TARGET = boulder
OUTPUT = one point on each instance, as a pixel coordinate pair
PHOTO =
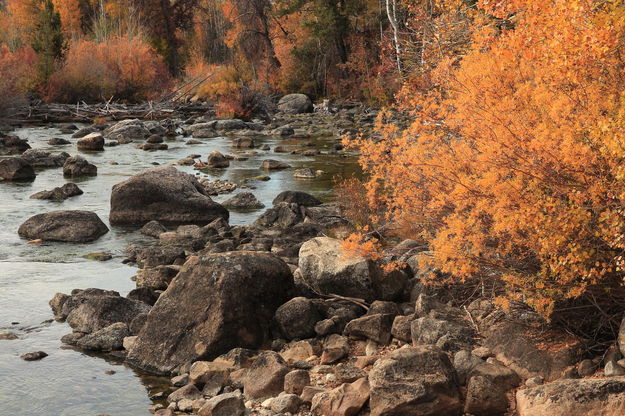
(335, 348)
(450, 333)
(109, 338)
(581, 397)
(228, 404)
(230, 124)
(42, 159)
(93, 141)
(271, 164)
(295, 381)
(345, 400)
(16, 169)
(153, 229)
(157, 278)
(297, 318)
(127, 131)
(401, 328)
(295, 104)
(163, 194)
(305, 173)
(265, 378)
(296, 197)
(286, 403)
(375, 327)
(414, 381)
(485, 398)
(217, 160)
(518, 345)
(243, 143)
(59, 193)
(57, 141)
(217, 302)
(327, 269)
(243, 200)
(12, 145)
(66, 226)
(77, 166)
(88, 313)
(283, 215)
(146, 295)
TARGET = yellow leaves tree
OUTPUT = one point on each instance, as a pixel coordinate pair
(513, 167)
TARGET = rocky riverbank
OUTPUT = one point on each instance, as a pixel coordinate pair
(273, 318)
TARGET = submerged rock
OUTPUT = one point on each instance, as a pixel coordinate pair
(59, 193)
(163, 194)
(244, 290)
(66, 226)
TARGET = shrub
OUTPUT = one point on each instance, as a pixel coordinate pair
(234, 92)
(514, 163)
(123, 67)
(17, 71)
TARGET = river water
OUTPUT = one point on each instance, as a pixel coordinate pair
(69, 382)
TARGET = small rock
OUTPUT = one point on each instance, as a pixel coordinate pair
(33, 356)
(335, 348)
(286, 403)
(295, 381)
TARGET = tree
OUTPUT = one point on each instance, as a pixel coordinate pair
(165, 19)
(47, 39)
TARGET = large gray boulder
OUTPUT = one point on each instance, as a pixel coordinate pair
(295, 104)
(16, 169)
(597, 397)
(216, 303)
(127, 131)
(414, 381)
(163, 194)
(327, 269)
(66, 226)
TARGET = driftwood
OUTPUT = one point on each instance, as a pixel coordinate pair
(82, 112)
(175, 103)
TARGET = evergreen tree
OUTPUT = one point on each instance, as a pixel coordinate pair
(48, 40)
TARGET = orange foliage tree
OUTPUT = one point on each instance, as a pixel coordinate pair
(123, 67)
(513, 167)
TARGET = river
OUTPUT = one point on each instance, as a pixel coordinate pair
(69, 382)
